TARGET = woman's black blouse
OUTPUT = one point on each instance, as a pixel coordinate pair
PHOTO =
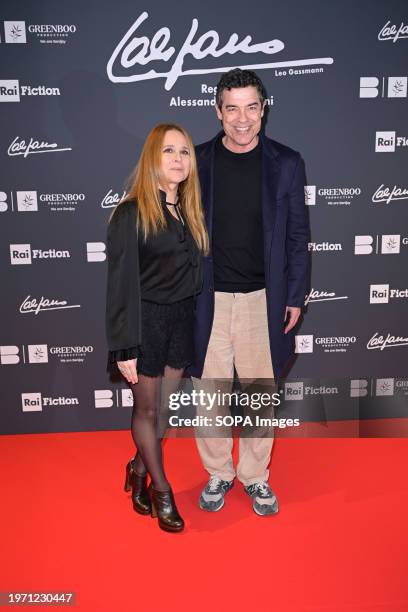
(164, 268)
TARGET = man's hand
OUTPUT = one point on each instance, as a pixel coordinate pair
(128, 370)
(294, 314)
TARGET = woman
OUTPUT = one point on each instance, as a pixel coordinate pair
(156, 238)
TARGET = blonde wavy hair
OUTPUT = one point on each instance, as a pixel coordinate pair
(143, 186)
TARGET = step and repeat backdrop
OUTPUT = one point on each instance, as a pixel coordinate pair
(81, 85)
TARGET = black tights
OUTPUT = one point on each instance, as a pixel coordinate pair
(149, 422)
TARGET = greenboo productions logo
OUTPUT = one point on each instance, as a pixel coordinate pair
(42, 353)
(32, 201)
(20, 32)
(305, 343)
(332, 196)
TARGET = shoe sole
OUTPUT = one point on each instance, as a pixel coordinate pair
(210, 509)
(268, 514)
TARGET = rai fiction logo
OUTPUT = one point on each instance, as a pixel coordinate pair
(12, 91)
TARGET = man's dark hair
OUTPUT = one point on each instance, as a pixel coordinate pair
(239, 78)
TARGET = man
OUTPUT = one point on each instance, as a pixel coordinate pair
(256, 277)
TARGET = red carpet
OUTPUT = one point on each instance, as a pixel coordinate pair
(339, 543)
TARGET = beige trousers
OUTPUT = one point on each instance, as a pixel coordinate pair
(239, 337)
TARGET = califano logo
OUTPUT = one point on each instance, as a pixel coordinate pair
(391, 31)
(35, 305)
(19, 147)
(112, 198)
(322, 296)
(129, 61)
(381, 342)
(389, 194)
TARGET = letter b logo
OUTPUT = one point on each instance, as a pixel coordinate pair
(103, 398)
(369, 87)
(9, 355)
(363, 245)
(95, 251)
(3, 201)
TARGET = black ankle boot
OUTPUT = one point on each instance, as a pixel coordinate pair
(140, 495)
(165, 509)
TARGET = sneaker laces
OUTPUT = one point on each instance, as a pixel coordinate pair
(214, 484)
(263, 489)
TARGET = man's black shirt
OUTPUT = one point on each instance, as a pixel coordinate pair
(237, 241)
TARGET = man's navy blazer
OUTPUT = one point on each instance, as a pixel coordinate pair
(286, 237)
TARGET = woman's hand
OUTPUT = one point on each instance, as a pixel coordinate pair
(128, 370)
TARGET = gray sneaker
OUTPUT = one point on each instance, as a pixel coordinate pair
(264, 500)
(212, 497)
